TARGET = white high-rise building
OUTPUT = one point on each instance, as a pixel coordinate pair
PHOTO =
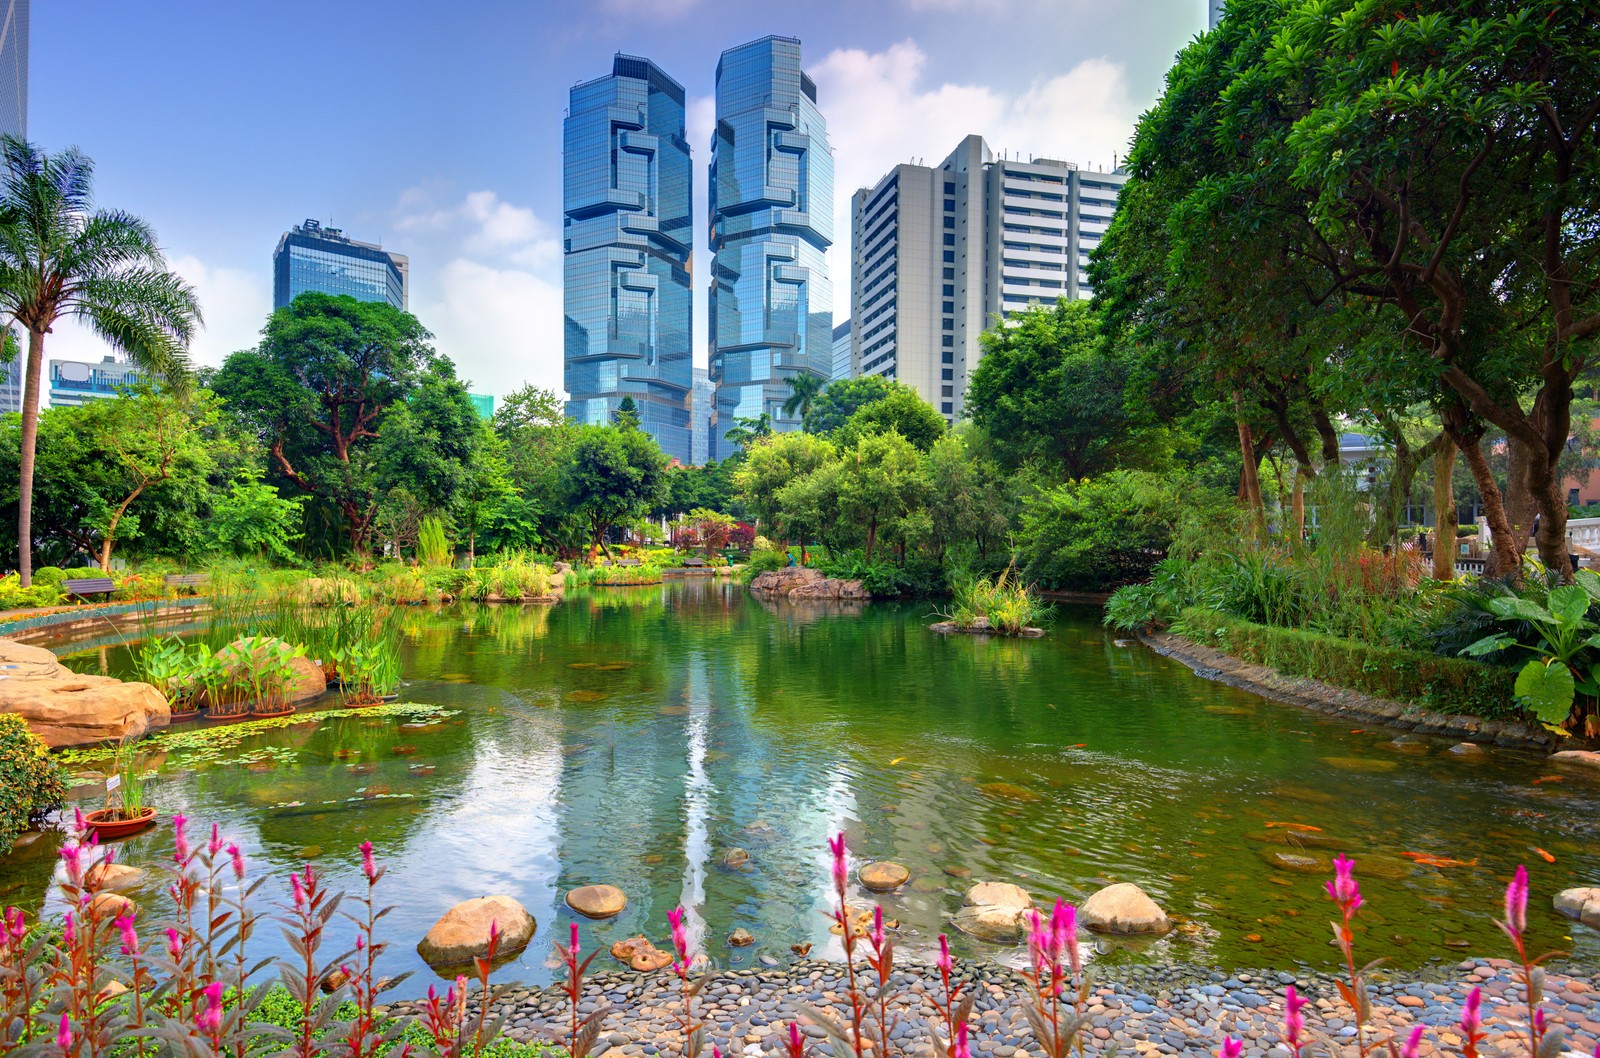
(939, 251)
(841, 352)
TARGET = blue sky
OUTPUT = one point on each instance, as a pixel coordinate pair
(435, 128)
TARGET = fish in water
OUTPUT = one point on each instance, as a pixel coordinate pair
(897, 760)
(1543, 854)
(1297, 826)
(1438, 861)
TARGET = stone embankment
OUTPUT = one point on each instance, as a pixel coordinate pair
(1150, 1010)
(803, 582)
(65, 708)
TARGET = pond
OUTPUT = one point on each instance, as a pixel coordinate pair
(632, 736)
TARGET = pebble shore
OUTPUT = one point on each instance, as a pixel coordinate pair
(1143, 1010)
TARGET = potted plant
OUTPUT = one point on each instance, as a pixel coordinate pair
(164, 664)
(130, 815)
(273, 663)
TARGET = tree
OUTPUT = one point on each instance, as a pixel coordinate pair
(772, 464)
(538, 443)
(901, 412)
(702, 528)
(317, 391)
(254, 520)
(840, 400)
(747, 430)
(803, 390)
(881, 481)
(61, 257)
(627, 414)
(615, 474)
(528, 408)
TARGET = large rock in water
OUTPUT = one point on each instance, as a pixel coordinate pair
(463, 933)
(308, 681)
(597, 901)
(1577, 756)
(1582, 904)
(66, 709)
(1123, 908)
(994, 911)
(803, 582)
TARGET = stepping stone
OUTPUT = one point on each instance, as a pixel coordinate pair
(884, 876)
(597, 901)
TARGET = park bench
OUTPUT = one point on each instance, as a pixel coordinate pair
(187, 580)
(694, 563)
(87, 586)
(628, 562)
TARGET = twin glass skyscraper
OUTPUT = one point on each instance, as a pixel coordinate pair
(628, 245)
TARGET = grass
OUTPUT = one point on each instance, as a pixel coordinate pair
(1008, 605)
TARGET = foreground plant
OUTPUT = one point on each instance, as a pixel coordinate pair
(1048, 945)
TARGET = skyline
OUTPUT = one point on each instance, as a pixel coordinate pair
(458, 164)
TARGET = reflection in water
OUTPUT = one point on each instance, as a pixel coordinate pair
(630, 736)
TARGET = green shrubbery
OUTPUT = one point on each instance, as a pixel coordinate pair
(919, 577)
(764, 561)
(31, 783)
(1007, 604)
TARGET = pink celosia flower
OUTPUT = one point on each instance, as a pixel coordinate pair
(72, 855)
(1064, 934)
(69, 930)
(796, 1043)
(944, 962)
(210, 1019)
(680, 938)
(238, 862)
(214, 846)
(130, 939)
(1413, 1041)
(64, 1035)
(1294, 1022)
(174, 943)
(572, 946)
(1516, 922)
(16, 923)
(369, 863)
(1344, 890)
(959, 1048)
(180, 840)
(877, 928)
(841, 863)
(1231, 1048)
(79, 827)
(299, 889)
(1471, 1012)
(1038, 942)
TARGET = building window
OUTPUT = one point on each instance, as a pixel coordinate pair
(949, 273)
(950, 222)
(949, 205)
(949, 290)
(949, 325)
(949, 306)
(949, 240)
(947, 408)
(949, 342)
(947, 391)
(947, 357)
(947, 374)
(949, 258)
(949, 187)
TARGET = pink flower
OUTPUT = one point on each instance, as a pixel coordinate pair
(238, 862)
(1539, 1025)
(877, 928)
(214, 846)
(73, 855)
(79, 826)
(1516, 922)
(64, 1036)
(180, 840)
(716, 1052)
(841, 863)
(210, 1019)
(1413, 1041)
(959, 1048)
(16, 923)
(369, 864)
(796, 1043)
(572, 946)
(1471, 1012)
(69, 930)
(174, 943)
(1038, 943)
(944, 962)
(1231, 1048)
(299, 889)
(1344, 890)
(130, 939)
(680, 939)
(1064, 934)
(1294, 1022)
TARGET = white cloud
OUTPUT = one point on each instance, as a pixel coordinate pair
(482, 223)
(880, 114)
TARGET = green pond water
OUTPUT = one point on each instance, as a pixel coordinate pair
(631, 736)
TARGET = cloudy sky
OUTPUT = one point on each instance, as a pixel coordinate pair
(435, 128)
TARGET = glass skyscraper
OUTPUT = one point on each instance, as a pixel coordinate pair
(14, 67)
(771, 202)
(627, 241)
(326, 260)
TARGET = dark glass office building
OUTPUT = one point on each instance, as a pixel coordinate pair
(326, 260)
(14, 67)
(771, 202)
(627, 245)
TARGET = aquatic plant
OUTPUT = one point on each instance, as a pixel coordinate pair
(433, 547)
(1004, 603)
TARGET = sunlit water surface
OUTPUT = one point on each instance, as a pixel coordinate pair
(632, 736)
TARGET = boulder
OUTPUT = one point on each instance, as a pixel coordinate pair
(109, 906)
(108, 876)
(463, 933)
(597, 901)
(1586, 757)
(998, 894)
(803, 582)
(991, 922)
(308, 681)
(1123, 908)
(1467, 749)
(65, 709)
(740, 938)
(735, 858)
(1582, 904)
(884, 876)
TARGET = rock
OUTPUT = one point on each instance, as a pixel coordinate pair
(597, 901)
(801, 950)
(106, 876)
(998, 894)
(803, 582)
(65, 709)
(1303, 862)
(991, 922)
(307, 682)
(624, 950)
(735, 858)
(335, 980)
(883, 876)
(650, 960)
(1582, 904)
(1123, 908)
(463, 933)
(107, 906)
(1467, 749)
(740, 938)
(1577, 756)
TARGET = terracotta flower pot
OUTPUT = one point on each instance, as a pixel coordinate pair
(105, 822)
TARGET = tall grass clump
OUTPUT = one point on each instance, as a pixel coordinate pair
(1002, 603)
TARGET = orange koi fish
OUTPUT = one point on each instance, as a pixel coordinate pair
(1543, 854)
(1297, 826)
(1427, 860)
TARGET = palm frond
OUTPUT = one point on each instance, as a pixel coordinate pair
(110, 239)
(150, 314)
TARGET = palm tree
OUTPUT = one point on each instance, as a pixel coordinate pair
(59, 256)
(803, 389)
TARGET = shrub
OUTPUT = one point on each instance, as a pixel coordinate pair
(918, 577)
(518, 577)
(433, 547)
(1004, 601)
(30, 781)
(764, 561)
(447, 580)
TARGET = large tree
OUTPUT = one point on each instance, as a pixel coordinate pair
(770, 465)
(62, 257)
(615, 473)
(831, 408)
(318, 390)
(901, 412)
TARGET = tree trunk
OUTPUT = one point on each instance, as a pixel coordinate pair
(1250, 480)
(110, 538)
(1506, 558)
(29, 442)
(872, 535)
(1444, 510)
(1298, 502)
(1519, 501)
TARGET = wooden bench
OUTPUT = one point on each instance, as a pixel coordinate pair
(87, 586)
(187, 580)
(694, 563)
(628, 562)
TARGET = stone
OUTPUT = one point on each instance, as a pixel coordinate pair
(108, 906)
(992, 922)
(882, 876)
(1586, 757)
(308, 680)
(335, 980)
(740, 938)
(597, 901)
(1123, 908)
(462, 934)
(998, 894)
(623, 950)
(735, 858)
(650, 960)
(104, 876)
(803, 582)
(1467, 749)
(1582, 904)
(64, 708)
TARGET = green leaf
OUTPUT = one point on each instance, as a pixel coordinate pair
(1589, 581)
(1547, 689)
(1488, 645)
(1514, 609)
(1569, 603)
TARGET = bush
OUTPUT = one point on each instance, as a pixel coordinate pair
(764, 562)
(45, 590)
(30, 781)
(433, 547)
(1450, 685)
(918, 577)
(1004, 601)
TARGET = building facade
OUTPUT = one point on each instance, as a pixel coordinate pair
(700, 406)
(12, 383)
(771, 222)
(842, 367)
(14, 67)
(627, 252)
(939, 251)
(326, 260)
(74, 382)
